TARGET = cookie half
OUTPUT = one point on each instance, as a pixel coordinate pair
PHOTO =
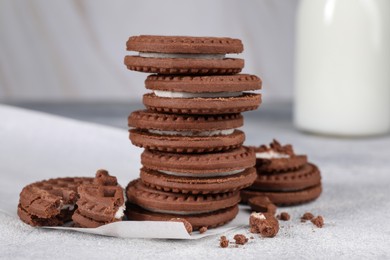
(196, 185)
(177, 203)
(184, 55)
(50, 202)
(285, 198)
(200, 165)
(202, 94)
(185, 133)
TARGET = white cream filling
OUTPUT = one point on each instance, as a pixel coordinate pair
(120, 212)
(176, 94)
(258, 215)
(202, 175)
(271, 155)
(177, 212)
(182, 55)
(191, 133)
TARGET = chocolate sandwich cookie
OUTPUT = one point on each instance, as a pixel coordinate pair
(197, 185)
(221, 94)
(184, 55)
(285, 198)
(100, 203)
(200, 165)
(185, 133)
(50, 202)
(177, 203)
(306, 176)
(277, 158)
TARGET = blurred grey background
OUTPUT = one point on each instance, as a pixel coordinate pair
(61, 51)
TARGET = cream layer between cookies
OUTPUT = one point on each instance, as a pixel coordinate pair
(203, 175)
(177, 94)
(121, 210)
(182, 55)
(271, 155)
(191, 133)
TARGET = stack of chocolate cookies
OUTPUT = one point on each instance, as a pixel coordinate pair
(194, 163)
(284, 177)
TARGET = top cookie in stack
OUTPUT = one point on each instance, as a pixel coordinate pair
(194, 164)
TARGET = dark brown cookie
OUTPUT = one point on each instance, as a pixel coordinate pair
(177, 203)
(306, 176)
(285, 198)
(185, 133)
(204, 106)
(211, 220)
(100, 203)
(194, 165)
(184, 55)
(195, 185)
(203, 84)
(49, 202)
(184, 44)
(277, 158)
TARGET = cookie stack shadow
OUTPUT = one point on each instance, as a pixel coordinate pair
(194, 162)
(284, 177)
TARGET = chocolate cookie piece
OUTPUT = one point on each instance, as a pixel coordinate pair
(307, 176)
(185, 133)
(200, 165)
(176, 203)
(203, 106)
(262, 204)
(211, 219)
(184, 44)
(49, 202)
(285, 198)
(277, 158)
(196, 185)
(100, 203)
(184, 55)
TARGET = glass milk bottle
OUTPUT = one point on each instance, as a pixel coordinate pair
(342, 69)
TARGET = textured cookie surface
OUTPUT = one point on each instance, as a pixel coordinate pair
(184, 44)
(209, 220)
(184, 66)
(193, 185)
(49, 202)
(306, 176)
(218, 83)
(204, 106)
(186, 144)
(144, 119)
(200, 164)
(168, 202)
(285, 198)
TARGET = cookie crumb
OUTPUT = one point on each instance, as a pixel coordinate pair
(240, 239)
(187, 224)
(318, 221)
(223, 242)
(265, 224)
(284, 216)
(202, 230)
(252, 237)
(262, 204)
(307, 216)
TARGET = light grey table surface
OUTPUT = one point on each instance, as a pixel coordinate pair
(354, 203)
